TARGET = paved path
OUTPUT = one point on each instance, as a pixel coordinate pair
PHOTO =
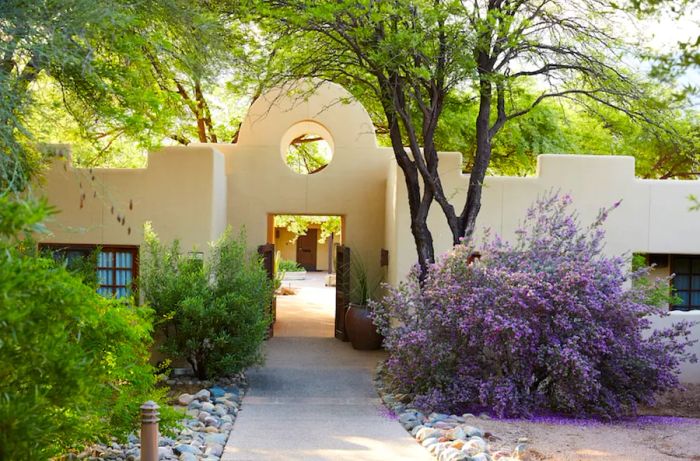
(314, 398)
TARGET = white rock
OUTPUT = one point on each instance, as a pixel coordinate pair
(203, 395)
(185, 399)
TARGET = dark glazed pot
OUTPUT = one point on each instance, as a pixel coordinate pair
(360, 329)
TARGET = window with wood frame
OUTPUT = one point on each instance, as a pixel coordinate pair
(117, 265)
(686, 281)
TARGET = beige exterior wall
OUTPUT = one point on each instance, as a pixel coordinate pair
(193, 193)
(652, 218)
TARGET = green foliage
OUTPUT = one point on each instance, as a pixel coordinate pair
(214, 313)
(112, 77)
(75, 365)
(363, 287)
(299, 224)
(286, 265)
(308, 154)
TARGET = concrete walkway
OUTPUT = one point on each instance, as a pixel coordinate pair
(314, 398)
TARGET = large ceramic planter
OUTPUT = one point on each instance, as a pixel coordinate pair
(360, 329)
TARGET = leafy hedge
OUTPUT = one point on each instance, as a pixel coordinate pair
(547, 324)
(74, 364)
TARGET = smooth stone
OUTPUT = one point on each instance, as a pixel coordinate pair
(203, 415)
(429, 441)
(438, 416)
(217, 391)
(185, 399)
(214, 450)
(165, 452)
(472, 431)
(416, 429)
(192, 412)
(195, 404)
(226, 427)
(212, 421)
(203, 395)
(427, 432)
(474, 446)
(187, 457)
(520, 449)
(183, 448)
(456, 433)
(211, 429)
(208, 407)
(215, 438)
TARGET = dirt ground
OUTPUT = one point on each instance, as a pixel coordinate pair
(668, 431)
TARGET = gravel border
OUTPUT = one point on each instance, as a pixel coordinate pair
(209, 416)
(447, 437)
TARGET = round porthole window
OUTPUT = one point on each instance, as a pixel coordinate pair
(307, 147)
(308, 154)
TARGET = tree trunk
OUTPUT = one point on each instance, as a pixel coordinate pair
(481, 163)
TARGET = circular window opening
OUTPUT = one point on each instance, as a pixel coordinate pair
(308, 154)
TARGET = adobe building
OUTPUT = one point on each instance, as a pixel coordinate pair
(193, 193)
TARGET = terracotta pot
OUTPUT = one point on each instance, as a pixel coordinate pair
(360, 329)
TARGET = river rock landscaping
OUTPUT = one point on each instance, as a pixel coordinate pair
(449, 437)
(209, 414)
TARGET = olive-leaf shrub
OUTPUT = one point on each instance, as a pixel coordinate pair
(75, 365)
(546, 324)
(214, 313)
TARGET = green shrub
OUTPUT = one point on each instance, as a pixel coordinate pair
(285, 265)
(214, 313)
(74, 364)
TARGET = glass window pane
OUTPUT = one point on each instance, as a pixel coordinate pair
(695, 299)
(685, 297)
(695, 282)
(105, 276)
(124, 259)
(106, 259)
(681, 282)
(123, 277)
(681, 265)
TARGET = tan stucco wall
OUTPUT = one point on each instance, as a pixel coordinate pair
(193, 193)
(652, 218)
(181, 193)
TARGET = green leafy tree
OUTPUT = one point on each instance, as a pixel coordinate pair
(411, 56)
(214, 313)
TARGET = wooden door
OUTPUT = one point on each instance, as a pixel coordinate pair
(306, 249)
(342, 290)
(267, 252)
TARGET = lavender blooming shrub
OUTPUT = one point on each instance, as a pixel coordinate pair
(546, 324)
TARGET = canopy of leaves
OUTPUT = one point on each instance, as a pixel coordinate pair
(299, 224)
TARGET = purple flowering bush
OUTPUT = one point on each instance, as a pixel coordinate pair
(545, 324)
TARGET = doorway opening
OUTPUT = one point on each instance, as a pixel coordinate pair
(305, 260)
(306, 242)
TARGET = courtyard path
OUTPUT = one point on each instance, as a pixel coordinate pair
(314, 398)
